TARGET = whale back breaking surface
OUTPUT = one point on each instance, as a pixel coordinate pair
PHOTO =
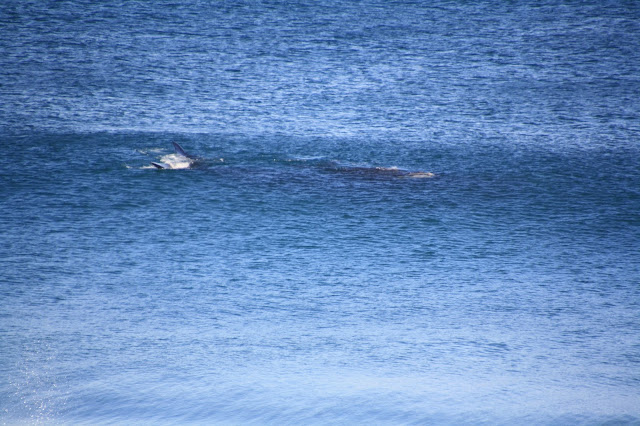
(180, 159)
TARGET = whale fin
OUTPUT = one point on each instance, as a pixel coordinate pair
(160, 165)
(179, 150)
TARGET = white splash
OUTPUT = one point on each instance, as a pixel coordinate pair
(176, 161)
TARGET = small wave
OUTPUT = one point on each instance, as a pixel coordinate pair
(421, 175)
(150, 151)
(308, 158)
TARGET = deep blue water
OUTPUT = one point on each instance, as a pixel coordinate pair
(300, 274)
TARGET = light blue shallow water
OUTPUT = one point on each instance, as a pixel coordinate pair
(300, 274)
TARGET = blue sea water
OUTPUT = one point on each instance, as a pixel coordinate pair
(301, 274)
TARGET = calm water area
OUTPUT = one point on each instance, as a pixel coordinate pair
(398, 212)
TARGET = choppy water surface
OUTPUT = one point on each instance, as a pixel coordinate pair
(309, 269)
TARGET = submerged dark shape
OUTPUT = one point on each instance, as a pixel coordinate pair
(180, 159)
(385, 172)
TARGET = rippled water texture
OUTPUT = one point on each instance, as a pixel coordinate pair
(395, 212)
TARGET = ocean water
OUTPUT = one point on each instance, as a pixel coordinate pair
(402, 212)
